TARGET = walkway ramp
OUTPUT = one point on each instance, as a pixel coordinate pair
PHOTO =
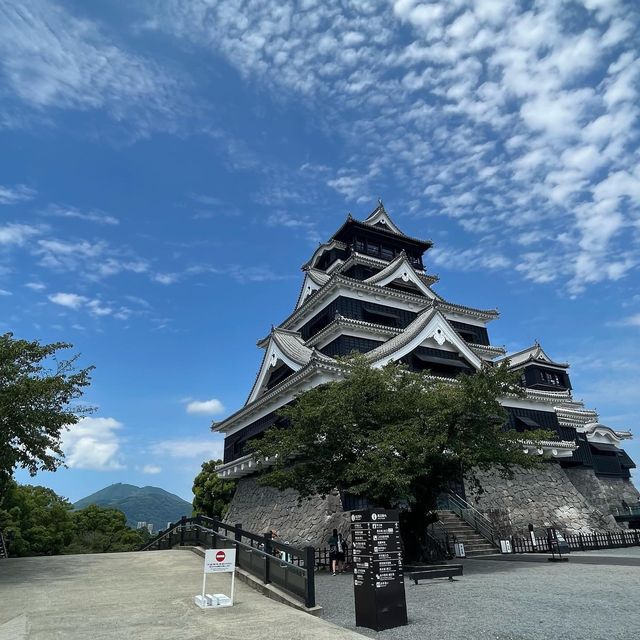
(146, 596)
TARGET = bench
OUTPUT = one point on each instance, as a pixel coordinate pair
(429, 571)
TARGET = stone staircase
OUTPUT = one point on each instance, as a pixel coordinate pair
(474, 544)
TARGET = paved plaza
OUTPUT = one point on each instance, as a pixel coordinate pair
(595, 596)
(139, 596)
(149, 596)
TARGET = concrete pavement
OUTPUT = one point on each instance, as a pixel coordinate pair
(144, 595)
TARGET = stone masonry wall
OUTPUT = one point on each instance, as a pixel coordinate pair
(603, 492)
(573, 500)
(260, 509)
(543, 497)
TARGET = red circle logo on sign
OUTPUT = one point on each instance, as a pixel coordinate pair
(220, 556)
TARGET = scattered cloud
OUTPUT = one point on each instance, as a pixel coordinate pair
(468, 259)
(151, 469)
(96, 307)
(514, 118)
(165, 278)
(631, 321)
(69, 300)
(305, 224)
(211, 407)
(13, 195)
(93, 443)
(35, 286)
(99, 217)
(49, 58)
(4, 292)
(17, 234)
(208, 449)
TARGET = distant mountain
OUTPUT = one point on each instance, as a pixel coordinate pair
(140, 504)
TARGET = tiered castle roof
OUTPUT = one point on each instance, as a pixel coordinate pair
(367, 290)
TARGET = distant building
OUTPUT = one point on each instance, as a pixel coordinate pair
(367, 290)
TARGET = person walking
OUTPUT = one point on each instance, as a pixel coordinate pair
(333, 551)
(342, 553)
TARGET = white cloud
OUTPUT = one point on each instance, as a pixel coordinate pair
(4, 292)
(208, 449)
(99, 217)
(49, 58)
(69, 300)
(515, 118)
(17, 234)
(165, 278)
(35, 286)
(631, 321)
(211, 407)
(93, 443)
(93, 260)
(13, 195)
(151, 469)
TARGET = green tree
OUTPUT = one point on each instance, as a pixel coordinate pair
(395, 437)
(102, 530)
(212, 495)
(36, 394)
(35, 520)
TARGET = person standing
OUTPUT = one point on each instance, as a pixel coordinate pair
(333, 551)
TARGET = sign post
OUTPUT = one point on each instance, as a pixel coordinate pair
(557, 544)
(217, 561)
(378, 580)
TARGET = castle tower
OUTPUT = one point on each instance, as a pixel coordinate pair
(367, 290)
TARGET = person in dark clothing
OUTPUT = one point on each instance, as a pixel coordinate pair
(333, 551)
(342, 553)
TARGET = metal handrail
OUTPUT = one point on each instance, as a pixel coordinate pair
(626, 510)
(441, 538)
(471, 516)
(302, 560)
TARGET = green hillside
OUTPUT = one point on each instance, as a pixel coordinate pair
(140, 504)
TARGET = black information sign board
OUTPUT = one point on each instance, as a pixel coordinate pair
(557, 543)
(378, 581)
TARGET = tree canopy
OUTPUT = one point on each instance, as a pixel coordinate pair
(394, 436)
(37, 395)
(36, 521)
(212, 495)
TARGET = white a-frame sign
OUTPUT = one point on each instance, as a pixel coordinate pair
(217, 561)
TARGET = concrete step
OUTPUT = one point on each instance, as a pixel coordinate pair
(477, 554)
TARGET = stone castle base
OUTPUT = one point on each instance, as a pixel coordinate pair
(308, 523)
(574, 500)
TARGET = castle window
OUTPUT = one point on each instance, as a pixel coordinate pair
(387, 254)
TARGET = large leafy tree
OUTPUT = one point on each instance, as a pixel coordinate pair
(38, 391)
(212, 495)
(395, 436)
(103, 529)
(35, 520)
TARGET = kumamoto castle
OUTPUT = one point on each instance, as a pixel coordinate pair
(367, 290)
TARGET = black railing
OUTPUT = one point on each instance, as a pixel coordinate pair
(628, 511)
(288, 567)
(580, 542)
(480, 523)
(440, 543)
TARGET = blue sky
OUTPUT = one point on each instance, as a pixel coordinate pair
(166, 168)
